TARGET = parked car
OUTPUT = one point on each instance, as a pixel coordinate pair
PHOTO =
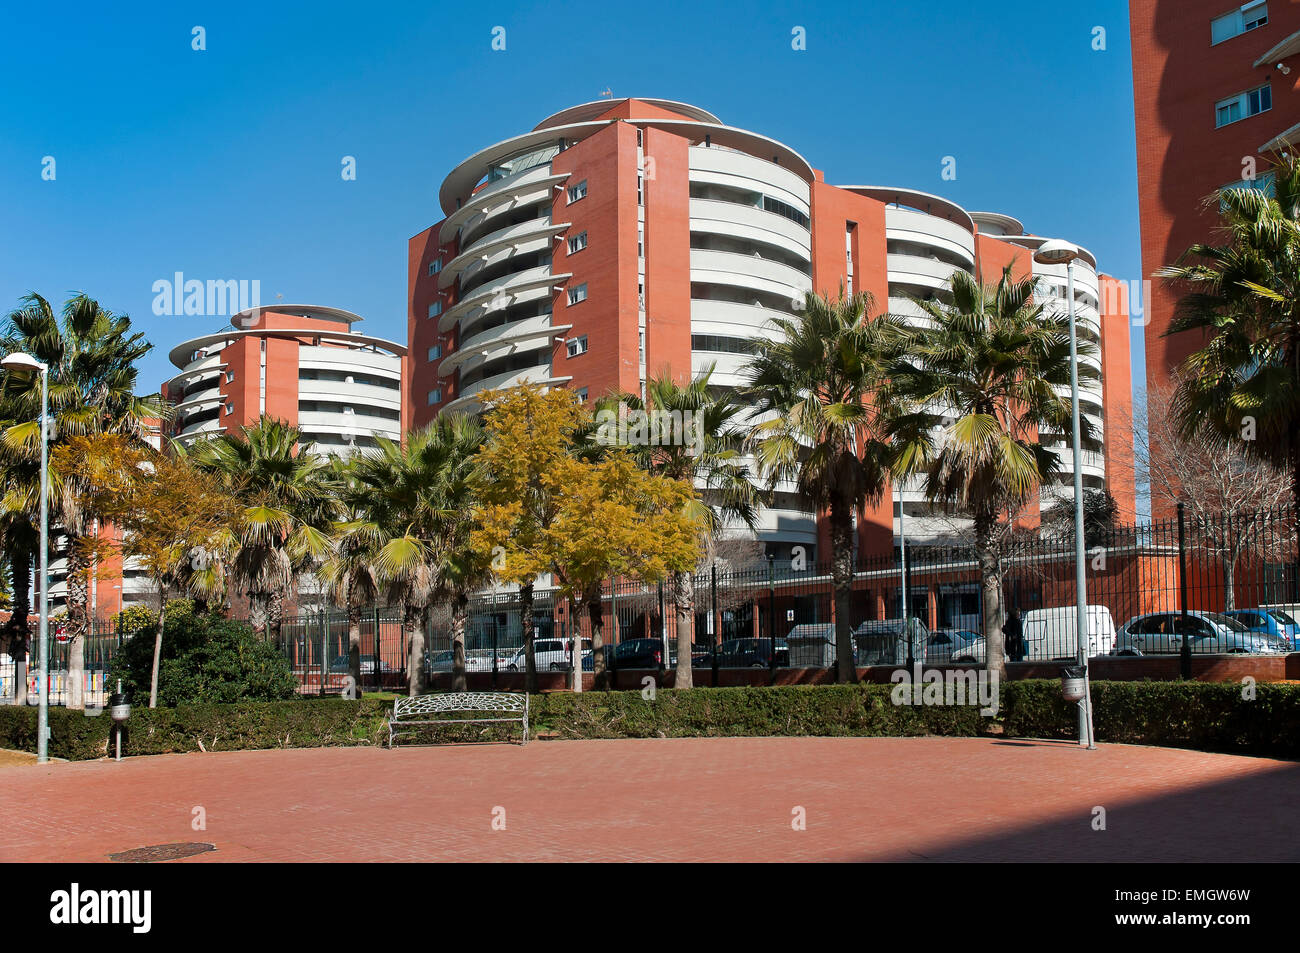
(1208, 633)
(340, 665)
(550, 655)
(752, 653)
(1275, 622)
(882, 641)
(1054, 633)
(955, 645)
(639, 653)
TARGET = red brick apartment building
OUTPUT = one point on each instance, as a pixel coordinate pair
(1214, 90)
(621, 239)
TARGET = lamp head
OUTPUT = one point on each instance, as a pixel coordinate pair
(1056, 252)
(23, 367)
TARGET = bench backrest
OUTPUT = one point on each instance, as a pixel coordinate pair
(508, 702)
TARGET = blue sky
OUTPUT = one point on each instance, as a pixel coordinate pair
(225, 163)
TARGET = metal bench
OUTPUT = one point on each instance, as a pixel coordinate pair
(481, 707)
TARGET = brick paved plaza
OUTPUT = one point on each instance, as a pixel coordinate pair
(687, 799)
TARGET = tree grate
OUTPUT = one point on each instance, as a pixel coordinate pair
(160, 852)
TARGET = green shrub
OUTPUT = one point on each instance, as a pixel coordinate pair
(205, 659)
(1208, 716)
(306, 723)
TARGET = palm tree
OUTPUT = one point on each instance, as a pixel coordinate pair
(416, 530)
(996, 364)
(91, 354)
(816, 379)
(1243, 295)
(289, 504)
(692, 433)
(349, 570)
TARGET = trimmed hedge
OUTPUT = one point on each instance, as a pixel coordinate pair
(1206, 716)
(862, 710)
(206, 727)
(836, 710)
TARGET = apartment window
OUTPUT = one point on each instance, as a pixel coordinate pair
(577, 243)
(1243, 105)
(435, 352)
(230, 408)
(1239, 21)
(435, 396)
(582, 395)
(578, 192)
(576, 346)
(640, 189)
(435, 309)
(578, 294)
(230, 377)
(435, 266)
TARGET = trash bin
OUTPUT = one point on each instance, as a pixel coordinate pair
(1073, 684)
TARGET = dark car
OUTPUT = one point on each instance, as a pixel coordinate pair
(340, 665)
(752, 653)
(639, 653)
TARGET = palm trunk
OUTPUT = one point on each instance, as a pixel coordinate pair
(841, 525)
(354, 644)
(991, 586)
(596, 616)
(526, 624)
(17, 633)
(77, 622)
(275, 615)
(157, 648)
(416, 681)
(459, 616)
(683, 590)
(258, 611)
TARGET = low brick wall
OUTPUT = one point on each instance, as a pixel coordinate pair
(1205, 668)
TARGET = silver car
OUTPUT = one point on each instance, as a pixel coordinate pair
(955, 645)
(1208, 633)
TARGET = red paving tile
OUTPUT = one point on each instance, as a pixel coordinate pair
(663, 800)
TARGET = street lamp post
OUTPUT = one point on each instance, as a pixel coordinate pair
(1055, 252)
(24, 367)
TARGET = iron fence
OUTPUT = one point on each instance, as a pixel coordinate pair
(1180, 586)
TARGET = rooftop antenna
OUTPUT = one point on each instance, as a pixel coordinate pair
(607, 94)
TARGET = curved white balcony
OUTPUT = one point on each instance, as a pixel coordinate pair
(540, 374)
(917, 270)
(732, 319)
(527, 334)
(206, 429)
(505, 193)
(748, 271)
(501, 292)
(532, 235)
(750, 223)
(743, 171)
(909, 225)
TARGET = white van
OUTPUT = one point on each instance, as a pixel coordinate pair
(1054, 633)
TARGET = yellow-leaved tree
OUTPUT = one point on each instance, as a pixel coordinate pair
(553, 501)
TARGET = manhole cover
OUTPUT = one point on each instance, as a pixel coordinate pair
(160, 852)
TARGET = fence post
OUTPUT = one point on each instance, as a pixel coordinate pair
(494, 655)
(378, 655)
(1185, 652)
(605, 653)
(324, 650)
(771, 609)
(717, 627)
(663, 626)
